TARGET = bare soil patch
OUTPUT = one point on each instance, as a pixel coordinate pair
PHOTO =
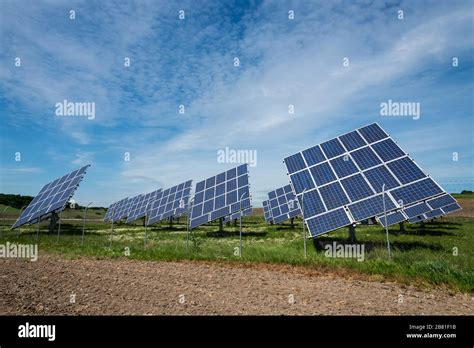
(129, 287)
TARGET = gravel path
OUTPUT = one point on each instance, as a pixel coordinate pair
(191, 288)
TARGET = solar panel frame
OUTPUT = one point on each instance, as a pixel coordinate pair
(388, 161)
(223, 204)
(52, 198)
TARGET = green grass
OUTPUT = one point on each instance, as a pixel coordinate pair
(422, 255)
(469, 195)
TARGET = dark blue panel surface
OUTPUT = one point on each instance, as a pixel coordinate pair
(328, 222)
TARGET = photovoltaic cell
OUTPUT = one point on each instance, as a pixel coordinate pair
(353, 187)
(356, 187)
(295, 163)
(52, 197)
(370, 207)
(373, 133)
(416, 210)
(452, 207)
(352, 140)
(416, 191)
(434, 214)
(343, 166)
(236, 196)
(332, 148)
(313, 155)
(322, 174)
(388, 150)
(328, 222)
(301, 181)
(392, 218)
(333, 195)
(380, 175)
(441, 201)
(405, 170)
(365, 158)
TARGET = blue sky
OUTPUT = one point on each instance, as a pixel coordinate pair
(190, 62)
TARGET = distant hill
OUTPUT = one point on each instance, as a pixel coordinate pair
(15, 201)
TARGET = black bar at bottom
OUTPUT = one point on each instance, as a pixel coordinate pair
(103, 330)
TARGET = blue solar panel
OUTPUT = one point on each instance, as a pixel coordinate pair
(312, 204)
(267, 212)
(380, 175)
(302, 180)
(392, 218)
(142, 205)
(343, 166)
(332, 148)
(333, 195)
(373, 133)
(246, 212)
(370, 207)
(373, 160)
(388, 150)
(173, 202)
(352, 140)
(117, 211)
(124, 209)
(327, 222)
(417, 191)
(441, 201)
(284, 205)
(295, 163)
(416, 210)
(405, 170)
(416, 219)
(322, 174)
(52, 197)
(218, 203)
(313, 155)
(434, 214)
(356, 187)
(365, 158)
(452, 207)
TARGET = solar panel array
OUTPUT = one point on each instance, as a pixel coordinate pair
(109, 212)
(283, 204)
(53, 197)
(142, 205)
(170, 202)
(343, 178)
(118, 210)
(267, 212)
(219, 196)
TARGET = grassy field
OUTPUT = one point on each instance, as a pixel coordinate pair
(436, 253)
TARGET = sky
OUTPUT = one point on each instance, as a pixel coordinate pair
(335, 62)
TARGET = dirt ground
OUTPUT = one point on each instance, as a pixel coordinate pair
(130, 287)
